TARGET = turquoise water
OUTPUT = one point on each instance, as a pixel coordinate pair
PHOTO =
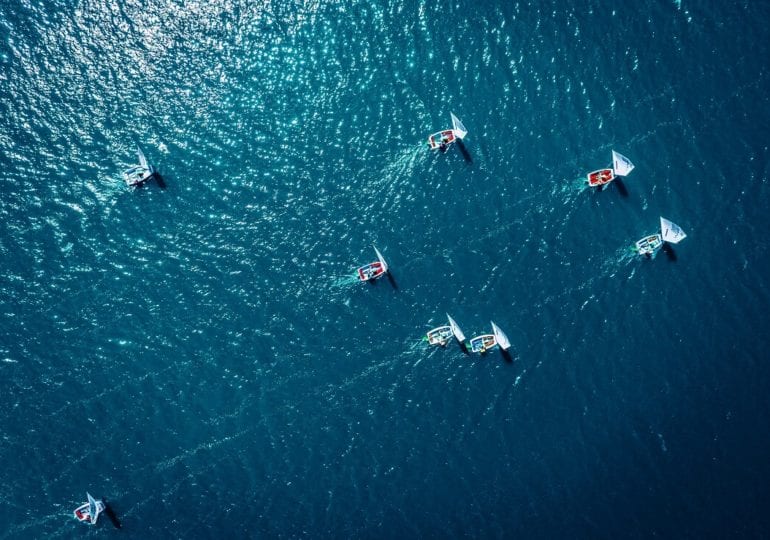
(197, 354)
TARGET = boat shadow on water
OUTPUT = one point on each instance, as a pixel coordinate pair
(388, 276)
(621, 187)
(464, 151)
(157, 178)
(160, 181)
(507, 357)
(669, 251)
(110, 513)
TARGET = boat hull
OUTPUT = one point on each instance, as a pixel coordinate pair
(444, 138)
(137, 176)
(481, 344)
(440, 336)
(600, 178)
(83, 514)
(371, 271)
(649, 244)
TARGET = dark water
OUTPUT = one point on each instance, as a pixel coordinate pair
(198, 356)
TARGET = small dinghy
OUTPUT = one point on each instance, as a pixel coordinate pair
(372, 271)
(442, 139)
(440, 336)
(137, 175)
(482, 344)
(89, 512)
(621, 166)
(669, 232)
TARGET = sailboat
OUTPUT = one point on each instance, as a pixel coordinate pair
(440, 336)
(484, 342)
(456, 332)
(89, 512)
(669, 232)
(139, 174)
(621, 166)
(372, 271)
(442, 139)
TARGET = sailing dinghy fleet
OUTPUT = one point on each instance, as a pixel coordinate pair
(670, 232)
(138, 175)
(442, 335)
(479, 344)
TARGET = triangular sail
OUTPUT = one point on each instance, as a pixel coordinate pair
(458, 127)
(93, 508)
(671, 232)
(381, 259)
(456, 329)
(500, 337)
(621, 164)
(142, 159)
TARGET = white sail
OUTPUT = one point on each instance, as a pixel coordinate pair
(142, 159)
(94, 508)
(381, 259)
(500, 337)
(671, 232)
(458, 127)
(621, 164)
(456, 329)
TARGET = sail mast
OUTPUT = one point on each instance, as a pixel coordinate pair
(456, 329)
(142, 159)
(457, 127)
(93, 508)
(381, 259)
(500, 337)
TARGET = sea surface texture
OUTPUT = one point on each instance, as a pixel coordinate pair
(199, 353)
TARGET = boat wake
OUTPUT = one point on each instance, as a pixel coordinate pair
(578, 185)
(418, 347)
(345, 281)
(405, 162)
(622, 258)
(569, 190)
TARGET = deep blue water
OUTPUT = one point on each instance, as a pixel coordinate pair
(198, 355)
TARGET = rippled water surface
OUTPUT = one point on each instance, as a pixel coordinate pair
(196, 351)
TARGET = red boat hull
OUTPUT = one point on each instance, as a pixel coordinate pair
(601, 177)
(371, 271)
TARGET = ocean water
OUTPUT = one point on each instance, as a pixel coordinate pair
(198, 354)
